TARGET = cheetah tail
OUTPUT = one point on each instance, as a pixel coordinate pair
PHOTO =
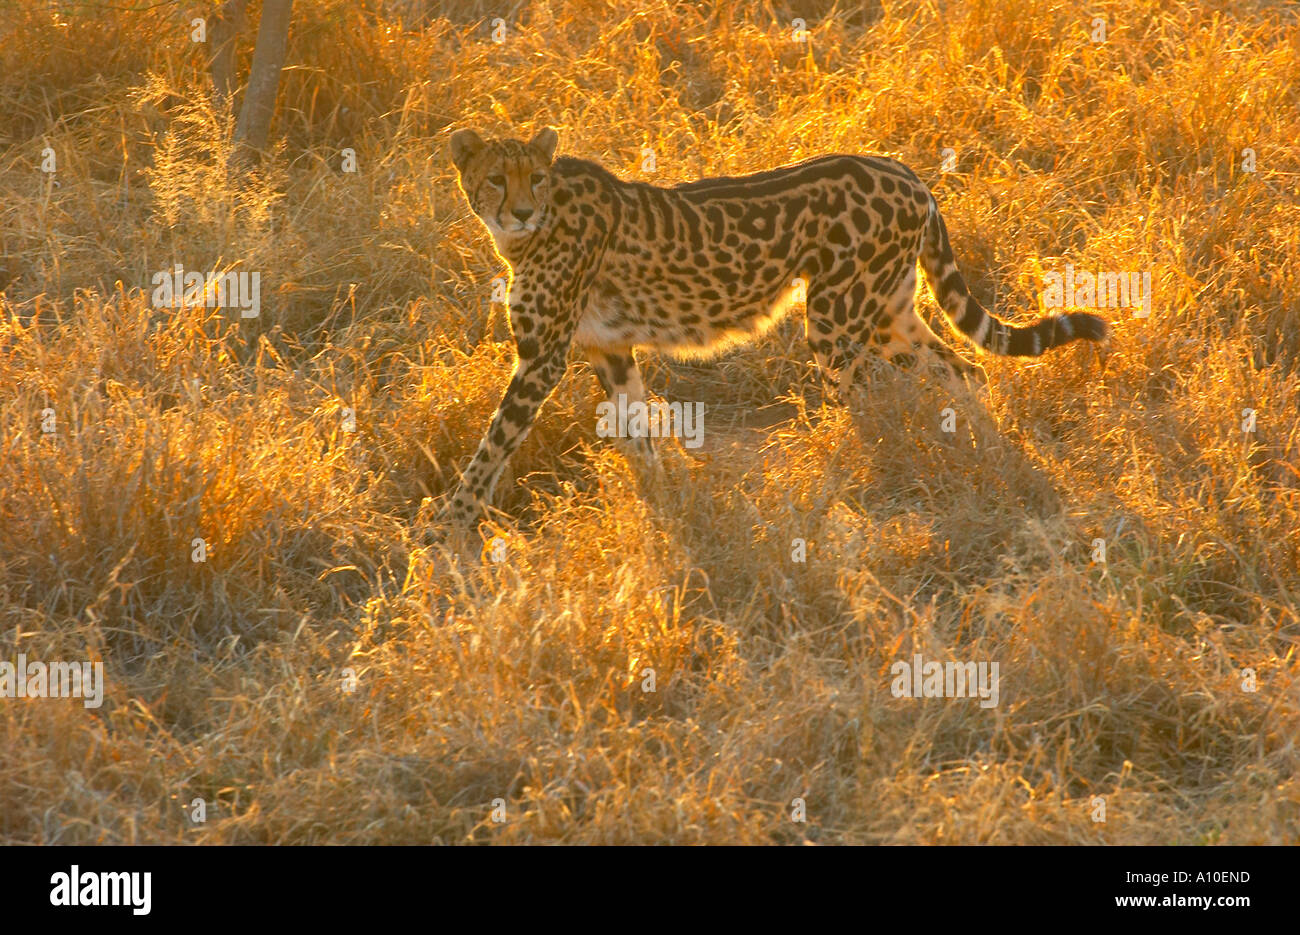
(986, 331)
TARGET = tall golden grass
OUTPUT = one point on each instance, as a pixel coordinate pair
(522, 680)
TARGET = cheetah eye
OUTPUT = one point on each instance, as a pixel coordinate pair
(498, 180)
(539, 178)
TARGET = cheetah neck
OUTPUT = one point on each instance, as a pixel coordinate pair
(512, 246)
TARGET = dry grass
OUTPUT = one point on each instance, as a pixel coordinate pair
(522, 680)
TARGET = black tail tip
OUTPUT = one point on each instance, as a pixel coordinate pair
(1088, 327)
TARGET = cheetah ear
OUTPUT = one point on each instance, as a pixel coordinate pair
(545, 142)
(465, 144)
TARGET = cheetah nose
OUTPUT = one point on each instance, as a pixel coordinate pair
(522, 213)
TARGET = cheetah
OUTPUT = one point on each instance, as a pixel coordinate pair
(610, 266)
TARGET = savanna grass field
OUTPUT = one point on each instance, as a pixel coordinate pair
(236, 516)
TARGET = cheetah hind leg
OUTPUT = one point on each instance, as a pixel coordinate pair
(910, 341)
(847, 349)
(933, 358)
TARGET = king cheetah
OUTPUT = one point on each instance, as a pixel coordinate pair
(610, 266)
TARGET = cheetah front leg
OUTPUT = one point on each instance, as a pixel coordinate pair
(534, 380)
(542, 323)
(617, 372)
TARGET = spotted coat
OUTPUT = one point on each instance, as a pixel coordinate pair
(611, 265)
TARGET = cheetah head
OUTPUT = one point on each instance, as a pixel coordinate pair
(506, 182)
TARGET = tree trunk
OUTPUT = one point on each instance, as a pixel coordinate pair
(254, 126)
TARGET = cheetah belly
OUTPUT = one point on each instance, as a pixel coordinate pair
(672, 324)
